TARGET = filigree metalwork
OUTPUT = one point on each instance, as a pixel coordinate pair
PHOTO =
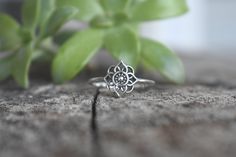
(120, 79)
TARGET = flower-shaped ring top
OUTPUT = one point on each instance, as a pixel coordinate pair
(120, 78)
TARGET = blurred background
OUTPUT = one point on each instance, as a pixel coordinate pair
(209, 27)
(205, 38)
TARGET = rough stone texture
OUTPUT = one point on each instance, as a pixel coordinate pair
(46, 120)
(197, 119)
(170, 121)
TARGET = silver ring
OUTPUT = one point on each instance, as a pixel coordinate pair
(120, 79)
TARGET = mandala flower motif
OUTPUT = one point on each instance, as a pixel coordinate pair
(120, 78)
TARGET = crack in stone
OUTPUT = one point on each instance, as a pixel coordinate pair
(94, 112)
(97, 149)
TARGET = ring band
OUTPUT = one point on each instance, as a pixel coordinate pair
(120, 79)
(100, 83)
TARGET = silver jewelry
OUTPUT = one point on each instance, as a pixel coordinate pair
(120, 79)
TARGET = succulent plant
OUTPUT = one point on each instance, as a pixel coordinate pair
(112, 25)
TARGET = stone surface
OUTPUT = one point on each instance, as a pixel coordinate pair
(196, 119)
(46, 120)
(169, 121)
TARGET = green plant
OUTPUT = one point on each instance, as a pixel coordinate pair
(113, 25)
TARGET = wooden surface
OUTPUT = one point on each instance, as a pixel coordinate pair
(196, 119)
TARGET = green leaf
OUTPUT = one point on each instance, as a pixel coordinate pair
(75, 54)
(61, 37)
(88, 9)
(9, 37)
(102, 22)
(30, 14)
(21, 64)
(5, 68)
(114, 5)
(162, 59)
(47, 7)
(146, 10)
(58, 18)
(122, 42)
